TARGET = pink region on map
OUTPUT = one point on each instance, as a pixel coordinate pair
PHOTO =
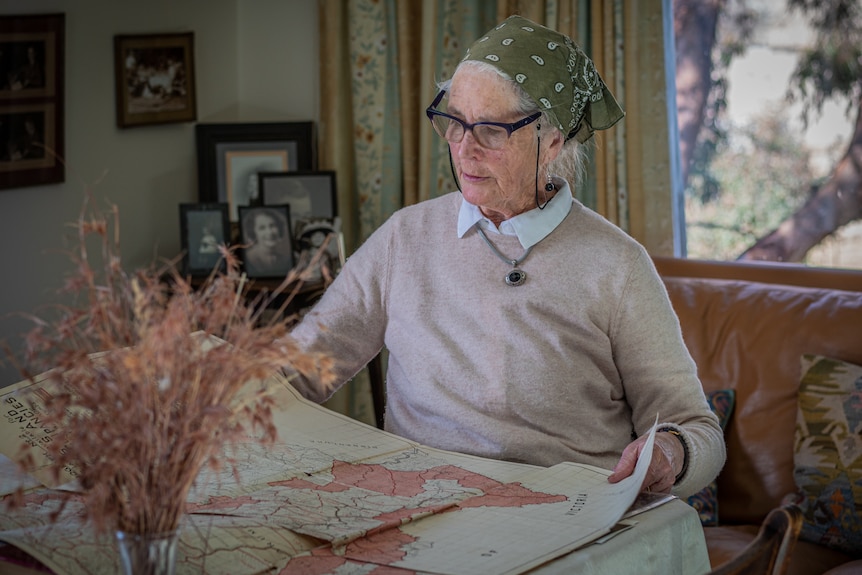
(386, 544)
(384, 548)
(325, 562)
(510, 495)
(379, 479)
(39, 498)
(320, 562)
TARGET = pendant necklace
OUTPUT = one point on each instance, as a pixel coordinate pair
(516, 276)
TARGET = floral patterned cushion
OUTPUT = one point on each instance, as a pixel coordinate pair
(828, 453)
(705, 501)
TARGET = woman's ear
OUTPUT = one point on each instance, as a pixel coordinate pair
(553, 142)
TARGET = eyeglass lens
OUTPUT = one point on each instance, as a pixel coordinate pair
(488, 136)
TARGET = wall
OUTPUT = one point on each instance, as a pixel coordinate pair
(279, 55)
(256, 60)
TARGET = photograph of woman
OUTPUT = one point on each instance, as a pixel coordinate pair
(265, 232)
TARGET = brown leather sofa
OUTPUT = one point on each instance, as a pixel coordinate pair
(747, 325)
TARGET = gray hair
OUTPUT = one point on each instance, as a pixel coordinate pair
(571, 163)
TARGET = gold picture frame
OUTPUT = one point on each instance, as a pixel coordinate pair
(155, 79)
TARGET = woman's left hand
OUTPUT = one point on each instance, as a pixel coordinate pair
(667, 460)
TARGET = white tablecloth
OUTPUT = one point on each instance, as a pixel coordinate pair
(667, 540)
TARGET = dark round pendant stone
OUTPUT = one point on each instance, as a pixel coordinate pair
(516, 277)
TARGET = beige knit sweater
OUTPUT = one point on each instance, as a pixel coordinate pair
(567, 367)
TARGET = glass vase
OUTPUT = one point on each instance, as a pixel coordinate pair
(147, 554)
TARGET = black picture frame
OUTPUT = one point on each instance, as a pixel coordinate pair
(203, 227)
(154, 77)
(230, 155)
(319, 246)
(32, 75)
(262, 258)
(312, 195)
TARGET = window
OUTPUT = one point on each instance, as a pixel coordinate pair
(758, 178)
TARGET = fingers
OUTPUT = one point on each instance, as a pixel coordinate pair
(659, 477)
(626, 465)
(659, 485)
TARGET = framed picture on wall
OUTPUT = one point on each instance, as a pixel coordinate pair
(311, 194)
(31, 100)
(231, 155)
(154, 76)
(203, 228)
(267, 241)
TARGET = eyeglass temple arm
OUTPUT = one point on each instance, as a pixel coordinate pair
(436, 101)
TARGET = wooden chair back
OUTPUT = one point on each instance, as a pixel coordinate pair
(769, 553)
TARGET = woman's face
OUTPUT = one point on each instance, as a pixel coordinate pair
(266, 230)
(501, 182)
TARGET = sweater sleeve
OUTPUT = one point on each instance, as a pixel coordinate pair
(349, 321)
(660, 377)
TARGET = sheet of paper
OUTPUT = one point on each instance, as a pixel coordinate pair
(12, 478)
(20, 423)
(590, 508)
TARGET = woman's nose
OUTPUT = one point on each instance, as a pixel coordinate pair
(468, 146)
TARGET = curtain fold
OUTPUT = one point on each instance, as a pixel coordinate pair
(335, 148)
(648, 142)
(381, 61)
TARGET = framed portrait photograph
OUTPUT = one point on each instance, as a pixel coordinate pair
(267, 241)
(31, 100)
(311, 195)
(231, 155)
(155, 79)
(203, 228)
(320, 247)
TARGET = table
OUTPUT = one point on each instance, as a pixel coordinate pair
(668, 540)
(332, 480)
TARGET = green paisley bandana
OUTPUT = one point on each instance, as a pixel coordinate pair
(555, 73)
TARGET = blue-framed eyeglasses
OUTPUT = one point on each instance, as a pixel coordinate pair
(491, 135)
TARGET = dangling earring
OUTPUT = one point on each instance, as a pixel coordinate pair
(550, 187)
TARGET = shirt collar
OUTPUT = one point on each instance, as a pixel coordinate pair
(531, 227)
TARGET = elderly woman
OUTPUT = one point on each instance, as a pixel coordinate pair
(521, 325)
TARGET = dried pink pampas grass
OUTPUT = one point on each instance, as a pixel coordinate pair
(137, 423)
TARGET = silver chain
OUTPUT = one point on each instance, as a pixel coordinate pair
(516, 276)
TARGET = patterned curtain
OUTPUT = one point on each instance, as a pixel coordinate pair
(381, 61)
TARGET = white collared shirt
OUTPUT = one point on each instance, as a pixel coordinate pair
(531, 227)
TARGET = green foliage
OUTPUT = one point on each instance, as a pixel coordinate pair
(832, 67)
(736, 25)
(744, 182)
(763, 176)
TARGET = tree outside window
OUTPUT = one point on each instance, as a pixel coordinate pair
(768, 99)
